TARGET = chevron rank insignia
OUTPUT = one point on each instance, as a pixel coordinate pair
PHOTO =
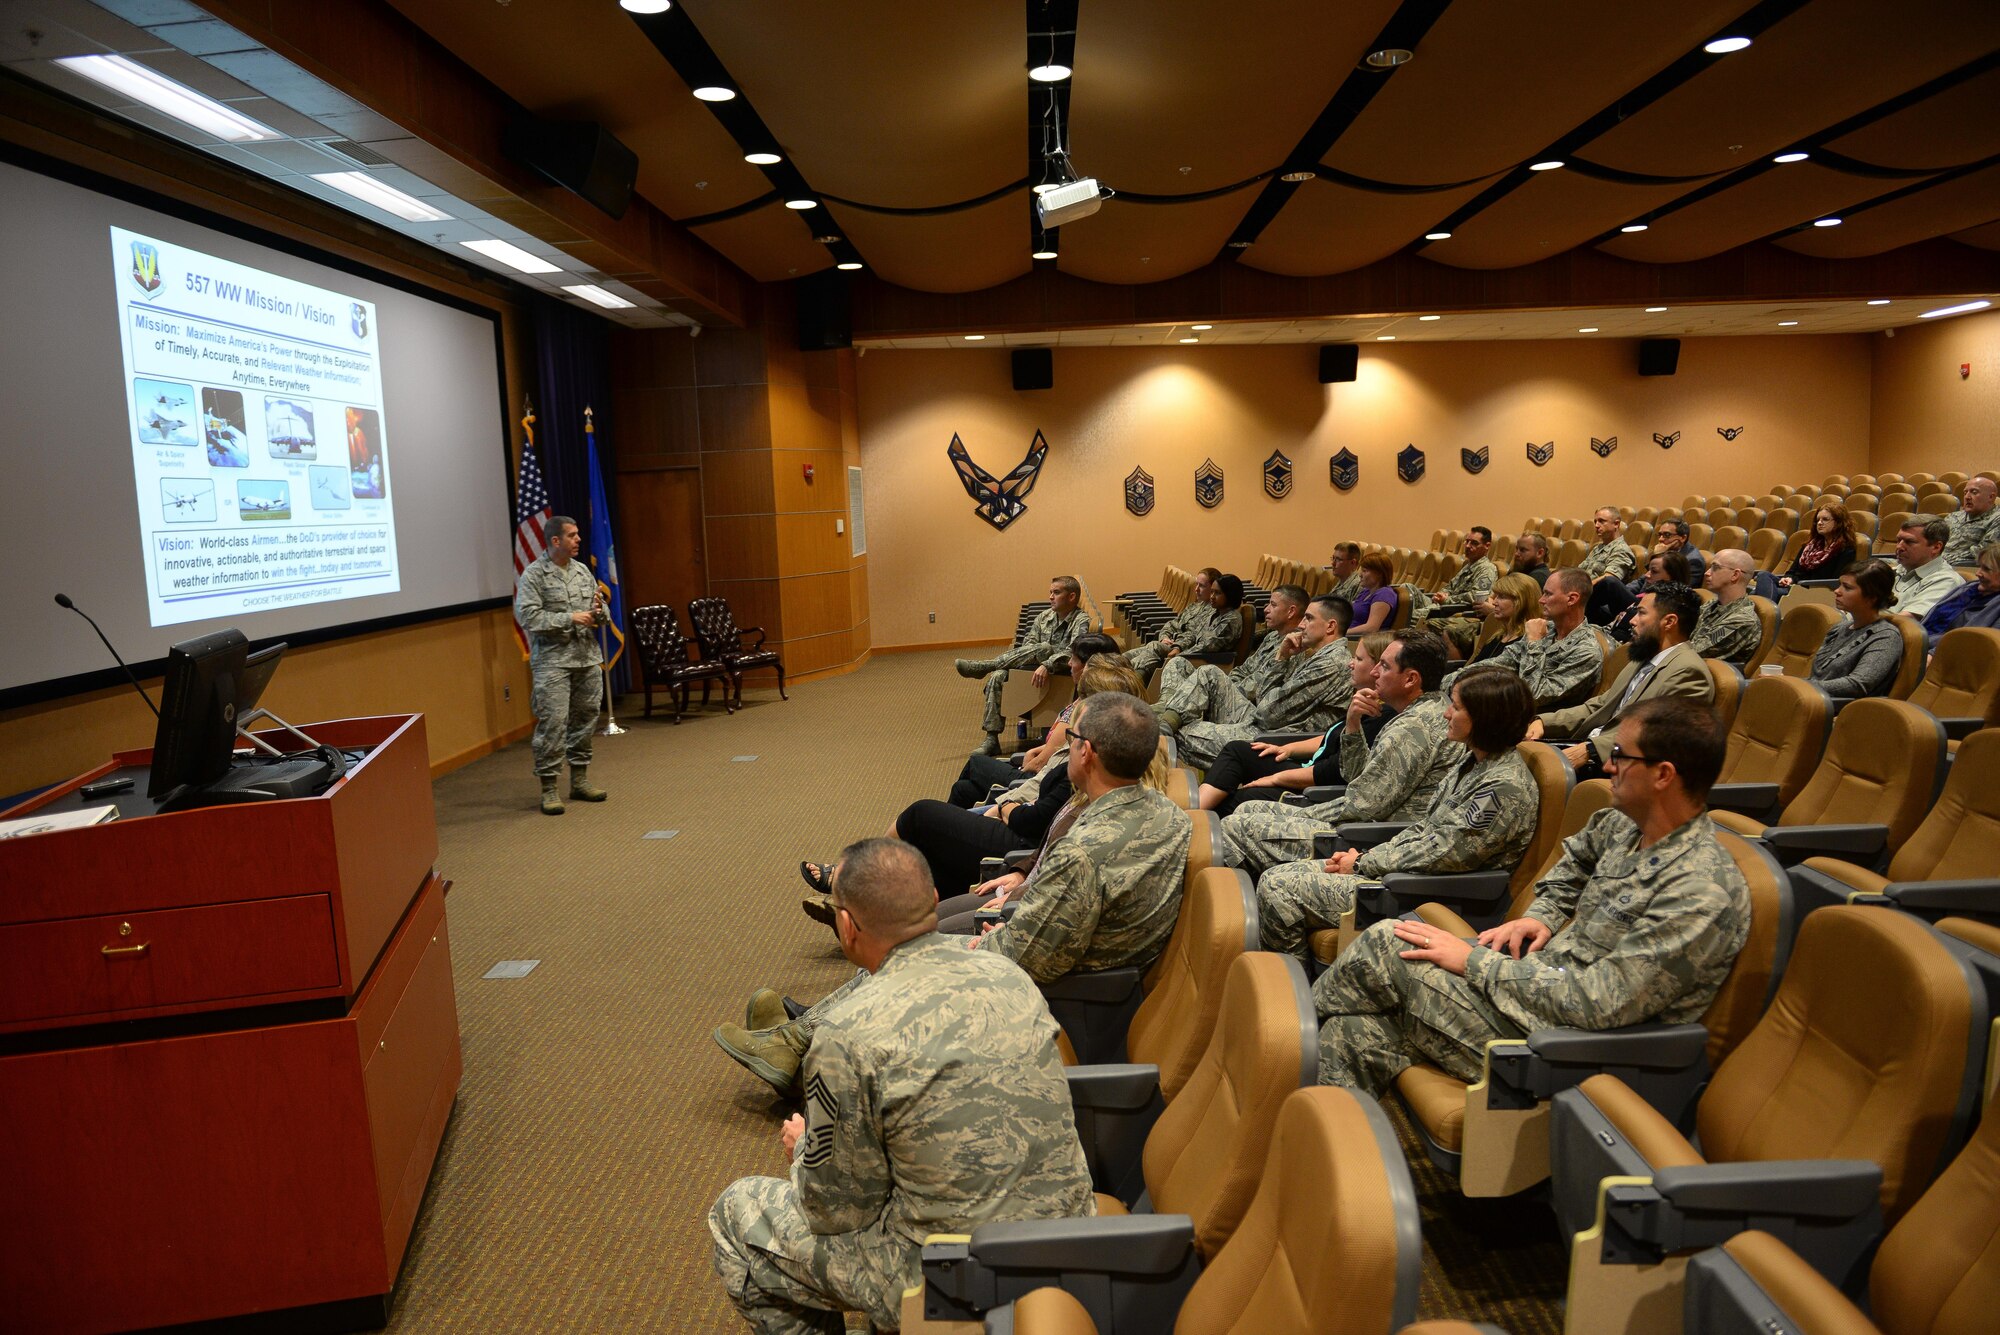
(1603, 448)
(1729, 432)
(1208, 485)
(1666, 442)
(1344, 470)
(1409, 463)
(1475, 461)
(1139, 492)
(1539, 455)
(1277, 476)
(824, 1109)
(1480, 810)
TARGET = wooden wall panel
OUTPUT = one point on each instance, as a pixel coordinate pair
(742, 547)
(818, 654)
(807, 545)
(655, 422)
(736, 482)
(755, 603)
(729, 357)
(825, 494)
(814, 604)
(735, 417)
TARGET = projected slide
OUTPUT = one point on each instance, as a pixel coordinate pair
(260, 445)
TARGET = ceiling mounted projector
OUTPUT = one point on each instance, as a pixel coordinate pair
(1068, 202)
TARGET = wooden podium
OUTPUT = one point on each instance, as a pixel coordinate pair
(228, 1048)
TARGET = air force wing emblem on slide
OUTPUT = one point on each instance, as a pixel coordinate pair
(1539, 455)
(146, 267)
(1344, 470)
(1139, 492)
(1208, 485)
(1410, 463)
(1475, 461)
(1277, 476)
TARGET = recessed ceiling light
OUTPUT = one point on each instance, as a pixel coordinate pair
(1955, 310)
(1588, 329)
(1826, 222)
(512, 256)
(1389, 57)
(1199, 327)
(1430, 317)
(763, 159)
(1385, 338)
(157, 91)
(1656, 310)
(1548, 166)
(1722, 46)
(801, 203)
(1437, 236)
(1190, 340)
(848, 266)
(596, 295)
(1239, 245)
(712, 93)
(974, 338)
(1043, 255)
(1790, 157)
(646, 6)
(385, 197)
(1879, 301)
(1297, 176)
(1633, 227)
(1786, 324)
(1049, 73)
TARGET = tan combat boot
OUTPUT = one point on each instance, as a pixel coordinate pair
(581, 789)
(552, 803)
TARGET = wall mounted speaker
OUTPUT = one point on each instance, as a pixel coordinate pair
(1659, 356)
(1337, 362)
(1034, 368)
(580, 156)
(826, 312)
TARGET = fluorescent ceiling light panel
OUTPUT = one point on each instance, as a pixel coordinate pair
(1430, 317)
(1955, 310)
(384, 197)
(150, 88)
(801, 204)
(596, 295)
(1656, 310)
(512, 256)
(1879, 301)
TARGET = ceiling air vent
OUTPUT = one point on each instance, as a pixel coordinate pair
(354, 152)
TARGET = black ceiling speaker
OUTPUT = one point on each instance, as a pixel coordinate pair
(1034, 368)
(1337, 362)
(581, 156)
(826, 311)
(1659, 356)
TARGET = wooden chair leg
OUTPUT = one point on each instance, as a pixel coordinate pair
(781, 683)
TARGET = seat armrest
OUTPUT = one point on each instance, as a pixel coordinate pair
(1449, 609)
(1656, 1047)
(1114, 1086)
(1323, 792)
(1752, 799)
(1402, 892)
(1827, 1210)
(1801, 1188)
(1138, 1265)
(1326, 843)
(1140, 1244)
(1854, 843)
(1102, 985)
(1664, 1064)
(1368, 833)
(1968, 896)
(1958, 729)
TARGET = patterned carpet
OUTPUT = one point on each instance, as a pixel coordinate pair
(597, 1122)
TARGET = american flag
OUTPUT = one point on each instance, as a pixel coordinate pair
(531, 512)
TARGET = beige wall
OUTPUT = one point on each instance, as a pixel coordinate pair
(1924, 417)
(1803, 401)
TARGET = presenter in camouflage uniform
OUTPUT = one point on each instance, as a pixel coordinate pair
(1655, 908)
(558, 606)
(1192, 630)
(1483, 816)
(1729, 627)
(935, 1102)
(1206, 710)
(1559, 655)
(1394, 778)
(1045, 648)
(1470, 586)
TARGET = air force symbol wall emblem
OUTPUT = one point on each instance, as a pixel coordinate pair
(1001, 499)
(1344, 470)
(1139, 492)
(1539, 455)
(1475, 461)
(1277, 476)
(1410, 463)
(1208, 485)
(146, 267)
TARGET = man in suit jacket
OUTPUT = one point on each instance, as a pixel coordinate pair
(1662, 665)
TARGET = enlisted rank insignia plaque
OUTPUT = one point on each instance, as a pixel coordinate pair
(1139, 492)
(1208, 485)
(1602, 448)
(1729, 432)
(1277, 476)
(1344, 470)
(1539, 455)
(1668, 441)
(1410, 463)
(1475, 461)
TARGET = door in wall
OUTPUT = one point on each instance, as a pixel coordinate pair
(660, 539)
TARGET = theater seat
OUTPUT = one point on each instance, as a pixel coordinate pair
(1914, 651)
(1962, 683)
(1767, 620)
(1871, 788)
(1728, 688)
(1775, 743)
(1202, 1163)
(1828, 1122)
(1799, 637)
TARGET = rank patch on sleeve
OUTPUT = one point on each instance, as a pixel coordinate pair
(1481, 809)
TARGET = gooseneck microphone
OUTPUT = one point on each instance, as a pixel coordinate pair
(62, 600)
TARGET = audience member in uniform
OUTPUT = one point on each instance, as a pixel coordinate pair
(1346, 568)
(1976, 604)
(1975, 523)
(1830, 550)
(1265, 771)
(1662, 666)
(1861, 655)
(1730, 628)
(981, 772)
(1375, 607)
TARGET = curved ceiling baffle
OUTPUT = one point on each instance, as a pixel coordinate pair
(1471, 61)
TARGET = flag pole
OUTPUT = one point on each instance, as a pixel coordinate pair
(610, 728)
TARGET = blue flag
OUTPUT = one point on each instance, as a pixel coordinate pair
(603, 557)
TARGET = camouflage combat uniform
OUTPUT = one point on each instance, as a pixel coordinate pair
(1312, 691)
(935, 1101)
(563, 660)
(1483, 816)
(1045, 645)
(1349, 588)
(1652, 934)
(1104, 895)
(1196, 629)
(1472, 584)
(1969, 535)
(1394, 779)
(1612, 557)
(1728, 631)
(1252, 677)
(1560, 670)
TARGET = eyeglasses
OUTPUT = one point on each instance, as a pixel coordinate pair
(1619, 756)
(1077, 734)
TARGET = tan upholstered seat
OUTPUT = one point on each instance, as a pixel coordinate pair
(1571, 552)
(1729, 535)
(1616, 657)
(1800, 633)
(1406, 599)
(1183, 787)
(1701, 534)
(1783, 518)
(1201, 845)
(1778, 735)
(1767, 620)
(1937, 505)
(1720, 516)
(1640, 533)
(1750, 518)
(1767, 547)
(1218, 922)
(1912, 670)
(1962, 681)
(1728, 688)
(1954, 479)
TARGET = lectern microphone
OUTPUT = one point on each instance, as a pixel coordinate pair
(63, 600)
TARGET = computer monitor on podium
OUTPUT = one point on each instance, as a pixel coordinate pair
(213, 685)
